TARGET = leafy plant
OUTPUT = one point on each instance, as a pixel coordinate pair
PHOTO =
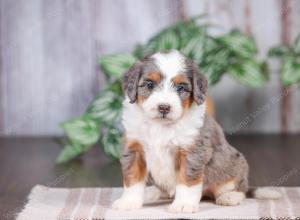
(233, 53)
(290, 57)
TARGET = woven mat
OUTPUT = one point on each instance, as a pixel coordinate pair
(94, 203)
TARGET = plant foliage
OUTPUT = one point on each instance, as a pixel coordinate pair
(290, 57)
(233, 53)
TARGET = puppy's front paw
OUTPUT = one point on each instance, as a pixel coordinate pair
(183, 207)
(127, 204)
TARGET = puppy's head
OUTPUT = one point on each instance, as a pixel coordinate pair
(165, 85)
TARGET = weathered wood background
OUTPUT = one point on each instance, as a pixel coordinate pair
(49, 51)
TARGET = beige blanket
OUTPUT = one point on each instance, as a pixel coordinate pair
(94, 203)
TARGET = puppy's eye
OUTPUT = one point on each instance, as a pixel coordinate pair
(150, 85)
(180, 88)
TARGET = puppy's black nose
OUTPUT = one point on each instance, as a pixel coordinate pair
(164, 109)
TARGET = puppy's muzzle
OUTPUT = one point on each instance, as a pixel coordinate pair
(164, 109)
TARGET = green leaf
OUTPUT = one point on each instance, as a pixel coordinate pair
(71, 151)
(213, 74)
(139, 51)
(212, 45)
(111, 142)
(240, 44)
(218, 57)
(188, 29)
(147, 49)
(165, 40)
(278, 51)
(173, 37)
(115, 87)
(290, 71)
(297, 45)
(82, 134)
(215, 64)
(115, 65)
(249, 73)
(82, 131)
(194, 48)
(106, 107)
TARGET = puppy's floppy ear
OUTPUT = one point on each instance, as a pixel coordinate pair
(199, 85)
(131, 80)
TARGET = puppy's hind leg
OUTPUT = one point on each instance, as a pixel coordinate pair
(230, 198)
(226, 194)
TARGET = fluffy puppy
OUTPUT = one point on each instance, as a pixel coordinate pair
(172, 144)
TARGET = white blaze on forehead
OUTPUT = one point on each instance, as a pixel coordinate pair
(170, 64)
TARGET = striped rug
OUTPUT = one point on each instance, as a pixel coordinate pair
(94, 203)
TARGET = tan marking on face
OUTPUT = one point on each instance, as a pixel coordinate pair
(220, 188)
(180, 78)
(186, 103)
(137, 170)
(154, 76)
(181, 170)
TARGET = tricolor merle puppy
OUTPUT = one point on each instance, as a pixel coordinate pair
(172, 148)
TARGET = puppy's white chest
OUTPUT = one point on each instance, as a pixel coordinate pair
(160, 145)
(161, 166)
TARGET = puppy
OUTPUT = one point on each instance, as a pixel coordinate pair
(171, 144)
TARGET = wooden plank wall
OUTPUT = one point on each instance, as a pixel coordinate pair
(49, 52)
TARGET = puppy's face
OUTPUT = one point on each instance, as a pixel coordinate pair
(165, 85)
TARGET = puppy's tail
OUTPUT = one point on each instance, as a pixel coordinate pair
(263, 193)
